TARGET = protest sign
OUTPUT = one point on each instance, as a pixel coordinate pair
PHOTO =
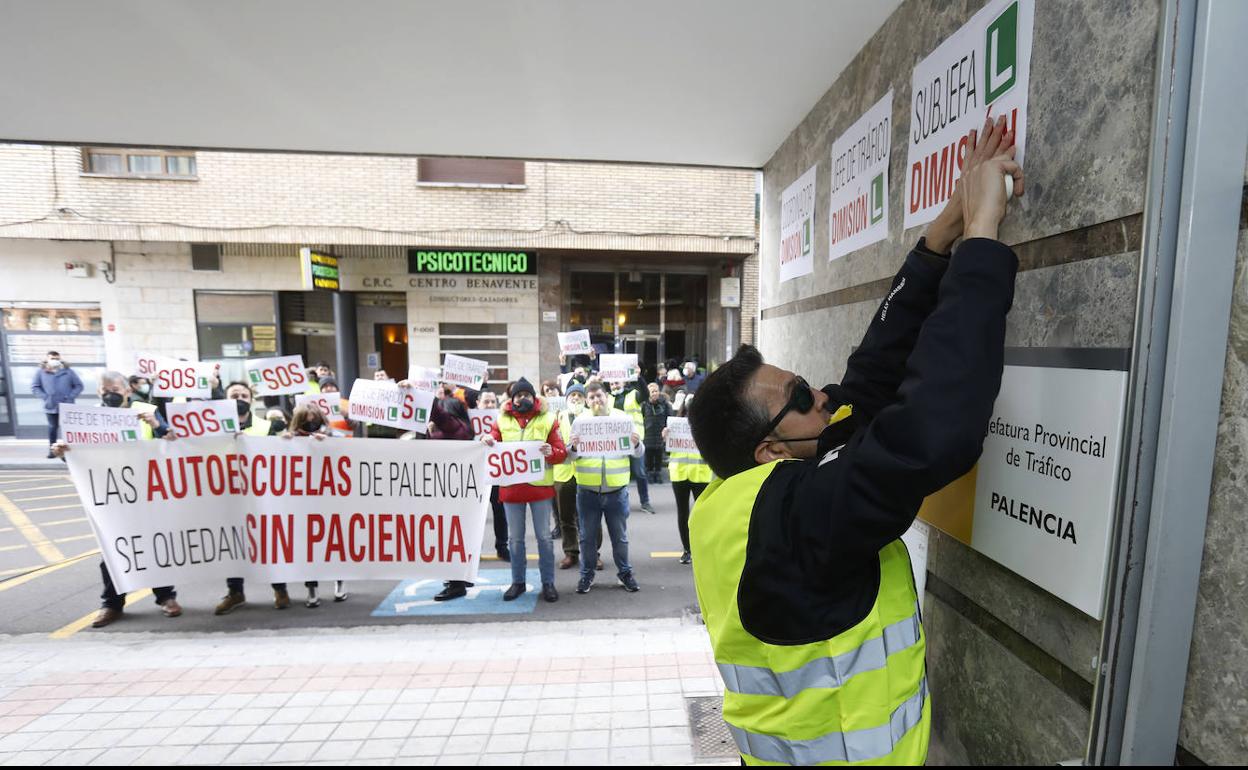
(603, 436)
(279, 376)
(283, 510)
(617, 367)
(329, 403)
(385, 403)
(574, 343)
(859, 201)
(680, 437)
(171, 378)
(466, 372)
(564, 379)
(97, 424)
(202, 418)
(424, 378)
(483, 421)
(556, 403)
(515, 462)
(797, 227)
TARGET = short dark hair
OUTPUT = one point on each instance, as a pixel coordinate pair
(595, 385)
(726, 422)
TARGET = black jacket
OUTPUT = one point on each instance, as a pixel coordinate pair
(655, 415)
(922, 385)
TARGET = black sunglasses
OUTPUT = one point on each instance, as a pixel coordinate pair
(801, 398)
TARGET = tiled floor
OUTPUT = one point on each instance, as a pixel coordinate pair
(588, 692)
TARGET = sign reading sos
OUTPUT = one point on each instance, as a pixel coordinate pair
(483, 421)
(416, 407)
(329, 404)
(279, 376)
(515, 462)
(202, 418)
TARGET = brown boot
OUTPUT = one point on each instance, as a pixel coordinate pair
(281, 599)
(105, 616)
(171, 608)
(229, 603)
(569, 561)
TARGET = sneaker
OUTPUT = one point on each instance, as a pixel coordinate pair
(170, 608)
(52, 456)
(230, 602)
(583, 585)
(281, 599)
(313, 601)
(556, 533)
(105, 616)
(685, 558)
(647, 507)
(514, 591)
(629, 582)
(340, 591)
(549, 593)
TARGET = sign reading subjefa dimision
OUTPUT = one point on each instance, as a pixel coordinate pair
(466, 262)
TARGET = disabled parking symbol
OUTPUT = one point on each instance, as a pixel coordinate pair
(414, 598)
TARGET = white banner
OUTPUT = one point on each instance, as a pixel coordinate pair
(515, 462)
(385, 403)
(483, 421)
(97, 424)
(617, 367)
(858, 212)
(202, 418)
(603, 436)
(680, 436)
(424, 378)
(564, 379)
(556, 403)
(171, 378)
(279, 376)
(466, 372)
(574, 343)
(797, 227)
(330, 404)
(982, 69)
(284, 510)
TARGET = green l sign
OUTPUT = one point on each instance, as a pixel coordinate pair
(877, 198)
(805, 237)
(1001, 44)
(392, 413)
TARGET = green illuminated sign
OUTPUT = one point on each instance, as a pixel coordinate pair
(472, 262)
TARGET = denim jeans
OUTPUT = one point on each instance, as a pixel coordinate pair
(110, 598)
(638, 470)
(541, 510)
(591, 507)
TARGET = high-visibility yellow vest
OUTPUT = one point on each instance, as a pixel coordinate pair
(632, 407)
(688, 466)
(860, 697)
(536, 429)
(597, 473)
(259, 427)
(566, 470)
(145, 430)
(312, 387)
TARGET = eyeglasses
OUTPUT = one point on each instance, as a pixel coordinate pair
(801, 398)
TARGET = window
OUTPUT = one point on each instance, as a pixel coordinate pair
(144, 164)
(470, 172)
(484, 342)
(206, 257)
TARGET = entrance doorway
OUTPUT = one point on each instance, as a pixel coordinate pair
(391, 341)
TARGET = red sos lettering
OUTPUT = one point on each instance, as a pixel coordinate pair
(195, 424)
(176, 379)
(507, 463)
(482, 424)
(323, 405)
(147, 367)
(284, 376)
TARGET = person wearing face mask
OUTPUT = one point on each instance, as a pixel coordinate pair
(141, 389)
(115, 392)
(654, 414)
(307, 422)
(338, 423)
(628, 399)
(565, 481)
(448, 421)
(525, 418)
(56, 384)
(805, 586)
(488, 400)
(249, 423)
(690, 474)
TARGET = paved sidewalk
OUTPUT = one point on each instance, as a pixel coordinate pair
(580, 693)
(26, 455)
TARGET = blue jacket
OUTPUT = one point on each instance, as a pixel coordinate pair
(56, 388)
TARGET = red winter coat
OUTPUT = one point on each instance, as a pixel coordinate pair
(527, 493)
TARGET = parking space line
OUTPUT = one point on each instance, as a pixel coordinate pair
(17, 547)
(46, 497)
(88, 536)
(666, 554)
(22, 523)
(69, 629)
(62, 521)
(54, 508)
(494, 557)
(38, 489)
(33, 573)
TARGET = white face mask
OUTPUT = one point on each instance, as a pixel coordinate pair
(55, 363)
(576, 407)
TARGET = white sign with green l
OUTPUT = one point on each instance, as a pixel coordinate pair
(797, 227)
(858, 208)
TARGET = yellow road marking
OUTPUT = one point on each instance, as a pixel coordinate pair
(38, 572)
(46, 497)
(22, 523)
(666, 554)
(68, 630)
(62, 521)
(37, 489)
(54, 508)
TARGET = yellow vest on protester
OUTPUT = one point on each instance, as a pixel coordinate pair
(632, 407)
(595, 473)
(859, 697)
(566, 470)
(687, 466)
(536, 429)
(259, 427)
(145, 430)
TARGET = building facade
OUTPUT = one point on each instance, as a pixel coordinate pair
(110, 252)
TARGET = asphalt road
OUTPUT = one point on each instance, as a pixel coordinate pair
(50, 579)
